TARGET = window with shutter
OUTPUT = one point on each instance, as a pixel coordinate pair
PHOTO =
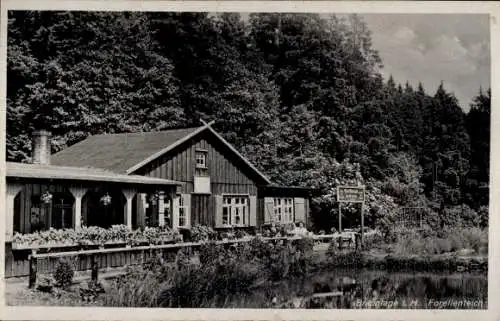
(252, 219)
(300, 209)
(269, 210)
(235, 210)
(218, 211)
(184, 210)
(283, 210)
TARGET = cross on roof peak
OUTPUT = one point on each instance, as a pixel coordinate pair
(210, 123)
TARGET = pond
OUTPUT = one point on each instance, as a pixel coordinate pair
(368, 289)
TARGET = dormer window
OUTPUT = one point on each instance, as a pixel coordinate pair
(201, 159)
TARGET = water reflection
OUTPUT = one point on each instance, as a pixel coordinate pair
(382, 290)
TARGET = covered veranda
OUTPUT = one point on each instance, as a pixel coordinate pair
(40, 197)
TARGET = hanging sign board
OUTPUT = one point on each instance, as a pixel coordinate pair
(350, 194)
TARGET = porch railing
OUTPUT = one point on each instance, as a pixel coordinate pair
(96, 259)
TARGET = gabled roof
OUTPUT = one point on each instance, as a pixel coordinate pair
(38, 171)
(128, 152)
(118, 152)
(264, 177)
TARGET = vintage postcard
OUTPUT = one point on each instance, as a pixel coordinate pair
(248, 160)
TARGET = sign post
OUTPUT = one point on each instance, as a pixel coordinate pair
(351, 194)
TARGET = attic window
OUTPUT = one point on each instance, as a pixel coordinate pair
(201, 159)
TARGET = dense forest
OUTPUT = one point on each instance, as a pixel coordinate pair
(300, 95)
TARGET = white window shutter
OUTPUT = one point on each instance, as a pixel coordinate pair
(299, 205)
(253, 211)
(187, 204)
(175, 213)
(268, 210)
(218, 211)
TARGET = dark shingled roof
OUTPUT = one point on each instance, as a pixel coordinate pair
(118, 152)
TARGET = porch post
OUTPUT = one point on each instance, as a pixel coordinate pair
(12, 190)
(140, 209)
(129, 195)
(78, 193)
(161, 208)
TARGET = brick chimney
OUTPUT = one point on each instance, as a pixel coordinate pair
(41, 148)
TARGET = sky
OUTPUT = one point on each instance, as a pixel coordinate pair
(432, 48)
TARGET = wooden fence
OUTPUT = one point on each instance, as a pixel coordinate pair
(29, 262)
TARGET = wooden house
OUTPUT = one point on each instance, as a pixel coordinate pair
(179, 177)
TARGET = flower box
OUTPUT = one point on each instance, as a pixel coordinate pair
(117, 235)
(49, 245)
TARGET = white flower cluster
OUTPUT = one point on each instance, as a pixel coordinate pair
(46, 197)
(106, 200)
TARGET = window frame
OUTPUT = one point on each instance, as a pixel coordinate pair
(237, 206)
(184, 209)
(284, 210)
(65, 206)
(202, 156)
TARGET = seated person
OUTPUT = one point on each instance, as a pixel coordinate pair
(273, 230)
(300, 230)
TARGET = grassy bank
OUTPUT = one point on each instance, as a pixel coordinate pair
(449, 263)
(426, 241)
(454, 250)
(261, 274)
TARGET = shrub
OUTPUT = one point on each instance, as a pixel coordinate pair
(210, 253)
(182, 259)
(281, 261)
(95, 287)
(345, 259)
(333, 248)
(240, 234)
(302, 257)
(64, 273)
(483, 216)
(476, 239)
(138, 288)
(198, 286)
(443, 245)
(305, 245)
(373, 241)
(259, 248)
(427, 241)
(277, 265)
(233, 276)
(92, 291)
(45, 284)
(200, 233)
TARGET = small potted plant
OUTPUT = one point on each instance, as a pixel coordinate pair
(106, 200)
(46, 197)
(153, 198)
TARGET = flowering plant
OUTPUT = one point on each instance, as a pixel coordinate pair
(200, 233)
(119, 233)
(46, 197)
(106, 200)
(94, 235)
